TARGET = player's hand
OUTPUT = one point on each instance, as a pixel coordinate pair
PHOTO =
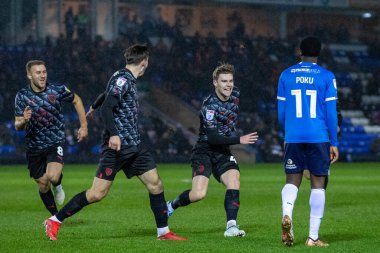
(334, 154)
(27, 113)
(249, 138)
(114, 143)
(82, 133)
(90, 113)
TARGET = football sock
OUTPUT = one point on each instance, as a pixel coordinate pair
(182, 200)
(48, 200)
(162, 231)
(231, 223)
(289, 196)
(58, 188)
(73, 206)
(159, 208)
(317, 207)
(231, 204)
(54, 218)
(58, 183)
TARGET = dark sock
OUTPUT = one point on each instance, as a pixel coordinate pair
(182, 200)
(58, 182)
(73, 206)
(49, 202)
(232, 204)
(159, 208)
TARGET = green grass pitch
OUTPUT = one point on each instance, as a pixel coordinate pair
(123, 221)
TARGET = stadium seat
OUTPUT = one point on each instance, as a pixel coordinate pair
(7, 149)
(72, 149)
(97, 149)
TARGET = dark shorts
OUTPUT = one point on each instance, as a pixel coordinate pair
(133, 160)
(205, 162)
(313, 156)
(38, 160)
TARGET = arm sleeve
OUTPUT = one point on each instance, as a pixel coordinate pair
(332, 122)
(109, 103)
(216, 139)
(339, 113)
(281, 102)
(99, 101)
(19, 106)
(67, 95)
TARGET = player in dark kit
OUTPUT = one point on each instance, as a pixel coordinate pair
(38, 111)
(211, 154)
(123, 149)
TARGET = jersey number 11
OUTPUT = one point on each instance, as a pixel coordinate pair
(312, 104)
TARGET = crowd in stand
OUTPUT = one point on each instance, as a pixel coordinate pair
(178, 64)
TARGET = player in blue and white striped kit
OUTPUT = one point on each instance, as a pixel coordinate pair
(307, 95)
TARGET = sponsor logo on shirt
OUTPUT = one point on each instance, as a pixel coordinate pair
(210, 114)
(305, 70)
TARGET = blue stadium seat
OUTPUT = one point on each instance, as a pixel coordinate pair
(97, 149)
(7, 149)
(72, 149)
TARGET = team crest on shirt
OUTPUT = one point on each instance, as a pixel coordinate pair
(52, 98)
(120, 81)
(210, 114)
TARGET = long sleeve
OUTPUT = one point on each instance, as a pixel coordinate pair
(332, 122)
(109, 103)
(216, 139)
(99, 101)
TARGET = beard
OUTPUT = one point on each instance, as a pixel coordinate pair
(40, 85)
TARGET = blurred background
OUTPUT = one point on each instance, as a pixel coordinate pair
(83, 41)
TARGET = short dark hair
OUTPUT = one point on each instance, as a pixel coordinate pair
(223, 68)
(32, 63)
(310, 46)
(136, 53)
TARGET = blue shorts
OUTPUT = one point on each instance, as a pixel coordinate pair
(312, 156)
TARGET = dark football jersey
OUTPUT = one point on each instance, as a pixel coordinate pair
(122, 85)
(219, 115)
(46, 126)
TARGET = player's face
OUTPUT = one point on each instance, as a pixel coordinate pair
(224, 86)
(38, 76)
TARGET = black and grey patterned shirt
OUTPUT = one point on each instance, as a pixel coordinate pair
(122, 85)
(46, 126)
(219, 115)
